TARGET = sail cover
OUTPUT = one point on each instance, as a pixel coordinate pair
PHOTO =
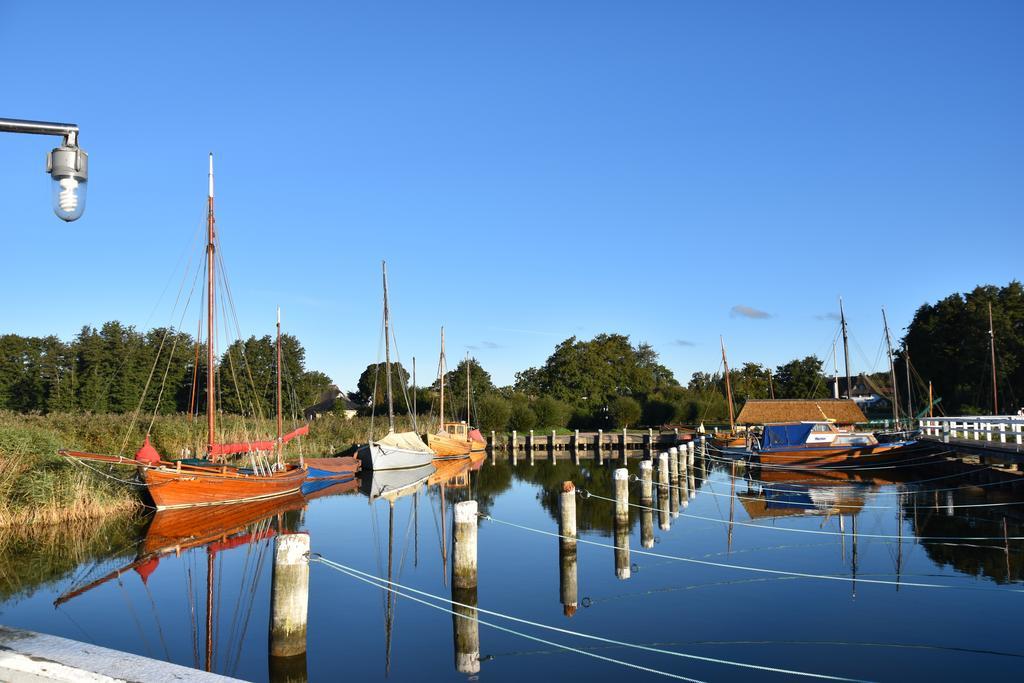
(248, 446)
(409, 441)
(786, 435)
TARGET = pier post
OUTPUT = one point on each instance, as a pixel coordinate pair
(673, 473)
(663, 495)
(597, 448)
(621, 479)
(554, 458)
(494, 449)
(530, 446)
(514, 447)
(690, 448)
(576, 447)
(289, 595)
(464, 545)
(650, 442)
(647, 501)
(624, 445)
(465, 625)
(567, 584)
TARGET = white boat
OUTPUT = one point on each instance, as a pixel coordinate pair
(393, 484)
(397, 450)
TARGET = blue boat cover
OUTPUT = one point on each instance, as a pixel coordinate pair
(782, 436)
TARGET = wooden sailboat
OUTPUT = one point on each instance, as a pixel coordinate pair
(211, 480)
(444, 443)
(730, 439)
(397, 450)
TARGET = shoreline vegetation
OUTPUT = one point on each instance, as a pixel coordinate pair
(83, 394)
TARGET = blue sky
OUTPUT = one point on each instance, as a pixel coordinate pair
(531, 170)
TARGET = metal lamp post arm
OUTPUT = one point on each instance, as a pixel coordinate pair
(69, 131)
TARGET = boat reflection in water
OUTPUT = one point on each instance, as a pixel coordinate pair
(218, 529)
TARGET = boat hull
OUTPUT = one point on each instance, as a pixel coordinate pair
(344, 467)
(172, 488)
(377, 456)
(447, 447)
(819, 457)
(728, 441)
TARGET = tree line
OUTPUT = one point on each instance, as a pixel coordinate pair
(603, 383)
(116, 368)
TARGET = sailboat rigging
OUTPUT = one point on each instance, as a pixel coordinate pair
(211, 480)
(397, 450)
(445, 443)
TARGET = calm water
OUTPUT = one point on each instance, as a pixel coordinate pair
(930, 525)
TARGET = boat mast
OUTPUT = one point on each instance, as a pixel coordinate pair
(992, 348)
(440, 371)
(906, 359)
(467, 394)
(280, 430)
(211, 420)
(728, 388)
(846, 348)
(387, 346)
(414, 411)
(835, 371)
(892, 374)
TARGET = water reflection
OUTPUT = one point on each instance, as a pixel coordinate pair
(893, 527)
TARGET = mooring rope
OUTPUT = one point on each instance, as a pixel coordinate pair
(505, 629)
(726, 565)
(587, 494)
(397, 588)
(842, 488)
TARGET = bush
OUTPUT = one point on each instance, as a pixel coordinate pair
(624, 411)
(551, 412)
(657, 412)
(581, 418)
(522, 418)
(493, 413)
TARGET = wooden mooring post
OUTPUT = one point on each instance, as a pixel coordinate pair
(514, 448)
(530, 447)
(621, 479)
(567, 548)
(465, 623)
(663, 495)
(673, 473)
(289, 595)
(551, 447)
(576, 447)
(647, 501)
(598, 445)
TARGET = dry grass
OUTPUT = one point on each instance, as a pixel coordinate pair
(39, 487)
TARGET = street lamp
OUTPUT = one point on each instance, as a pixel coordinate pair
(68, 165)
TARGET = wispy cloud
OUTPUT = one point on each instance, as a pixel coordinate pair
(748, 312)
(683, 342)
(827, 316)
(521, 331)
(484, 345)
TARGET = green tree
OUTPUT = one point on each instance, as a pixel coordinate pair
(455, 387)
(596, 371)
(493, 413)
(521, 418)
(949, 346)
(801, 378)
(624, 411)
(375, 375)
(551, 412)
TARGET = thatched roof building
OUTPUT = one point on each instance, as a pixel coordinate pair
(767, 411)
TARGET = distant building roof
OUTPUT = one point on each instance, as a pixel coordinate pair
(767, 411)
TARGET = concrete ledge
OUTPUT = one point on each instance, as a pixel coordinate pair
(28, 657)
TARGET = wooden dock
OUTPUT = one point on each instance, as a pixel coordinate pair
(589, 445)
(993, 440)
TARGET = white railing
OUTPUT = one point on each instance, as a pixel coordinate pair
(1002, 428)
